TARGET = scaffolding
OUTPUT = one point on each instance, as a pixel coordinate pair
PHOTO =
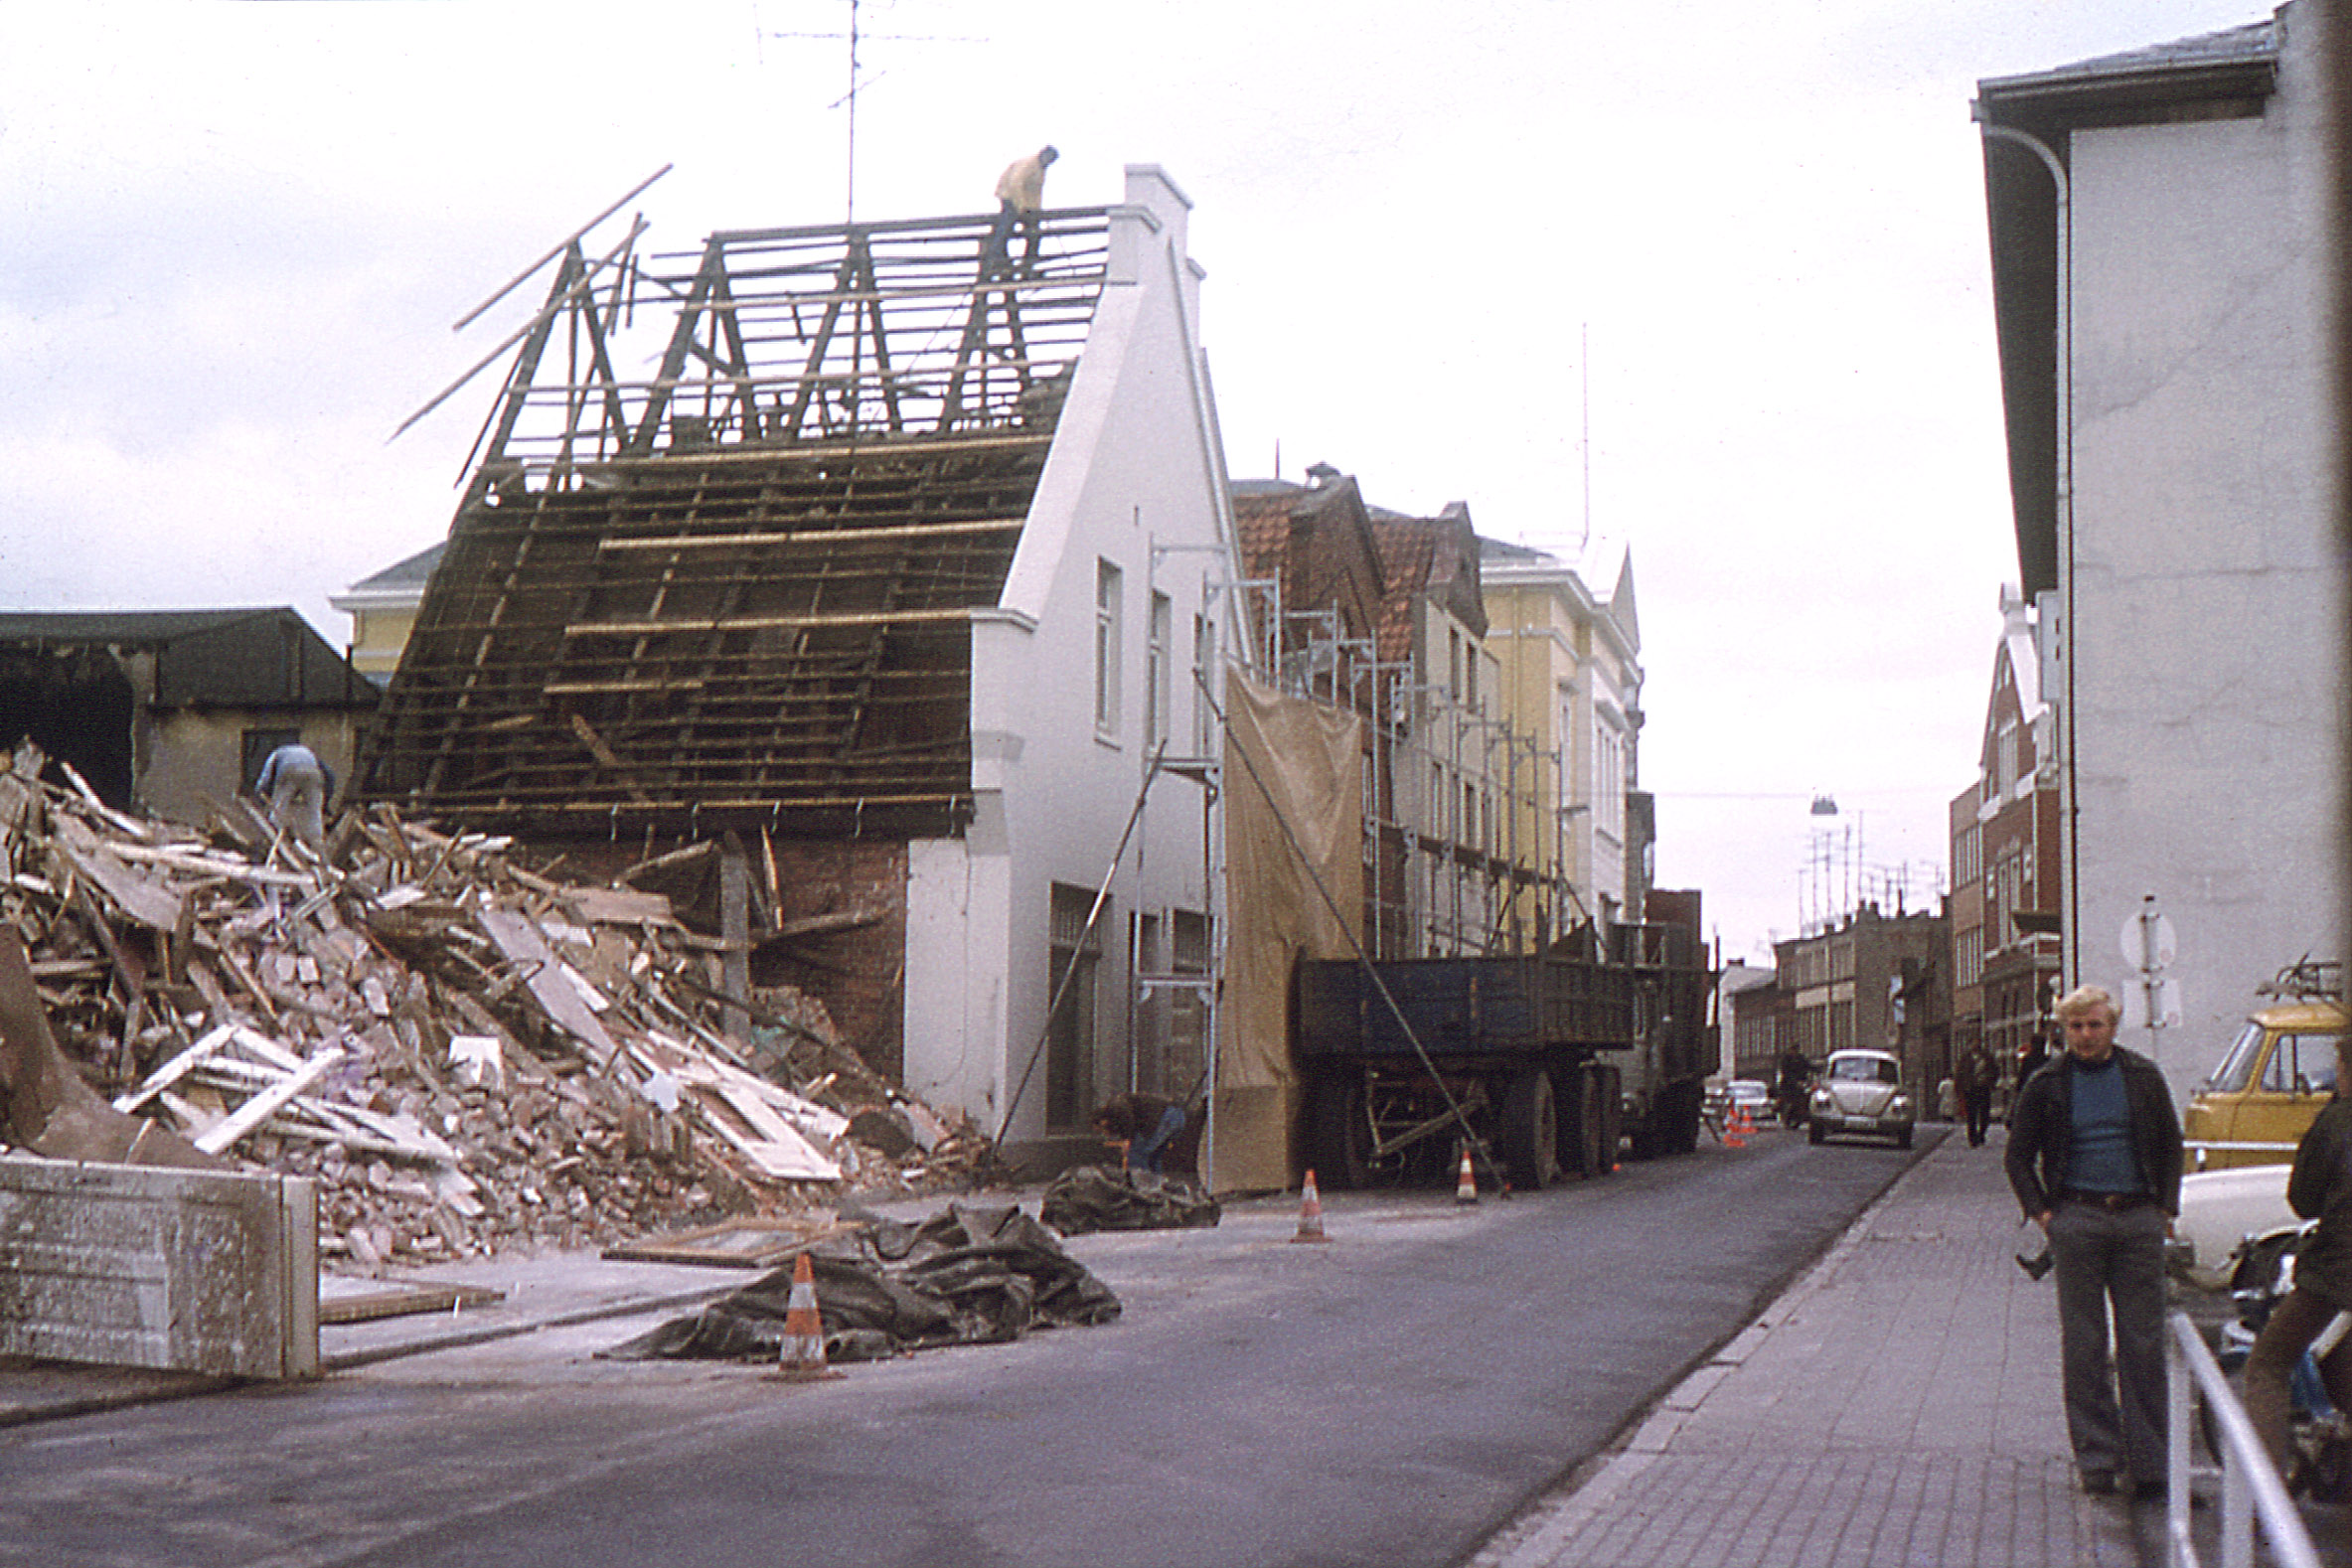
(1446, 788)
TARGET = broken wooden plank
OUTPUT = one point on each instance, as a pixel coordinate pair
(518, 939)
(178, 1067)
(259, 1108)
(345, 1300)
(749, 1243)
(134, 893)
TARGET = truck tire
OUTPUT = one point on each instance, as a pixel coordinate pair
(1609, 1102)
(1572, 1091)
(1338, 1132)
(1532, 1129)
(1682, 1124)
(1596, 1127)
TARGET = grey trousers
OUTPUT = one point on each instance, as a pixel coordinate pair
(2115, 1407)
(298, 804)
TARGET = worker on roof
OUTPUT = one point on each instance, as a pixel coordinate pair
(1021, 197)
(298, 784)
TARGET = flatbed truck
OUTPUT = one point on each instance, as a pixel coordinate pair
(1559, 1060)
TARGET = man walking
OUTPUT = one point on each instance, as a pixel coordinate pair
(1975, 1087)
(2094, 1159)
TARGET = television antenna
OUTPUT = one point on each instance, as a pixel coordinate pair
(857, 84)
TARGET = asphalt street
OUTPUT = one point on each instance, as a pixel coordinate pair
(1389, 1398)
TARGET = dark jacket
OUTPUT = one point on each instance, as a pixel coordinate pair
(2041, 1132)
(2320, 1189)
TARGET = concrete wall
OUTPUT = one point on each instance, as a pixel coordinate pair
(133, 1266)
(1135, 465)
(191, 759)
(2206, 609)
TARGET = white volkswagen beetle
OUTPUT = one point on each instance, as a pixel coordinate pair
(1862, 1093)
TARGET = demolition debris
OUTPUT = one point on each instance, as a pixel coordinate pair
(467, 1054)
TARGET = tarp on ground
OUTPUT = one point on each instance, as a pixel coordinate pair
(1292, 761)
(1090, 1197)
(965, 1276)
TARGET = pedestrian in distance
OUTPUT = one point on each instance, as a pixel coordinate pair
(1976, 1076)
(2319, 1188)
(1796, 1081)
(297, 786)
(2095, 1160)
(2031, 1058)
(1140, 1127)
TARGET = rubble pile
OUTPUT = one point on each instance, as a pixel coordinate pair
(469, 1055)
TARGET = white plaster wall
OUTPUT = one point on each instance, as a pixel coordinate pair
(1134, 463)
(2206, 610)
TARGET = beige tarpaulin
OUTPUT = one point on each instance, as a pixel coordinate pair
(1310, 759)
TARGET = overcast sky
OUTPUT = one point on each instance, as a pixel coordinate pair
(236, 236)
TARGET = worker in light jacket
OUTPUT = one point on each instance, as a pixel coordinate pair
(1021, 197)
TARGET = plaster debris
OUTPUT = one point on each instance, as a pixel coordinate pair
(468, 1054)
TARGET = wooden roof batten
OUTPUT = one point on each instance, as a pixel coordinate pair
(738, 591)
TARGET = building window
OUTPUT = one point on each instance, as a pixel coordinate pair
(1106, 648)
(1609, 779)
(1155, 692)
(1075, 953)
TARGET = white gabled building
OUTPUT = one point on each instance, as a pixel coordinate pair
(898, 569)
(2158, 251)
(1081, 672)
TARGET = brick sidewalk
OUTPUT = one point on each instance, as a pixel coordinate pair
(1898, 1405)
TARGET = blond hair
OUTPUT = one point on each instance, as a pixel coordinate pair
(2083, 1001)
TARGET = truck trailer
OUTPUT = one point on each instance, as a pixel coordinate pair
(1557, 1061)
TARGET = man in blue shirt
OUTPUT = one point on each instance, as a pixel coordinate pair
(2094, 1159)
(296, 784)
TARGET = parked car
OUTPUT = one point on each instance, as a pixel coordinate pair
(1754, 1095)
(2267, 1090)
(2219, 1210)
(1861, 1093)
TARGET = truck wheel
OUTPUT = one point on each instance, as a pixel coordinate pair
(1532, 1129)
(1686, 1118)
(1338, 1133)
(1608, 1114)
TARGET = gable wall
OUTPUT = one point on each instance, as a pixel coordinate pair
(1134, 464)
(2206, 615)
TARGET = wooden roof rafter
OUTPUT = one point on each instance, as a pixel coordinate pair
(848, 333)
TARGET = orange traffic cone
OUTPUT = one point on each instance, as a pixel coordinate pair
(1309, 1212)
(801, 1358)
(1466, 1183)
(1735, 1131)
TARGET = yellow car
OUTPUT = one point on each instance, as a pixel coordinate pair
(2255, 1106)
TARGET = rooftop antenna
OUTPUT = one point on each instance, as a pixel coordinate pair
(848, 99)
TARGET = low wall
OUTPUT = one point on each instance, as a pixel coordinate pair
(134, 1265)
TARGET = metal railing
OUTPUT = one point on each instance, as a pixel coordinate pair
(2252, 1490)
